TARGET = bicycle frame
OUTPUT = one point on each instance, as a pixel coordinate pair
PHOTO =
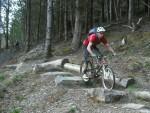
(100, 63)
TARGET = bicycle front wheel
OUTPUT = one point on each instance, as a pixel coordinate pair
(108, 78)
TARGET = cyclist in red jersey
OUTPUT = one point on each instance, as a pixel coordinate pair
(95, 37)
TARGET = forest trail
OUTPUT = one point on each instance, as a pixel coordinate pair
(24, 91)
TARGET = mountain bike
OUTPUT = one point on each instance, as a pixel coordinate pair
(95, 68)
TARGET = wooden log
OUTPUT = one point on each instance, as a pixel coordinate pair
(72, 67)
(13, 66)
(56, 73)
(54, 64)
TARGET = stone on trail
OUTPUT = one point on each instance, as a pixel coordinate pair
(104, 95)
(124, 82)
(145, 95)
(140, 107)
(60, 80)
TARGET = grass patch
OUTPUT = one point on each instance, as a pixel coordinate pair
(15, 110)
(8, 82)
(20, 97)
(147, 65)
(2, 77)
(17, 78)
(14, 80)
(132, 88)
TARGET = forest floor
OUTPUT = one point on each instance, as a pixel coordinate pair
(27, 92)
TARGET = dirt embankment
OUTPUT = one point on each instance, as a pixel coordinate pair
(28, 92)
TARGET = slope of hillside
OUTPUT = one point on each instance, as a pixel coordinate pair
(28, 92)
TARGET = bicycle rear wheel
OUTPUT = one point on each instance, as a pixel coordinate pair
(86, 71)
(108, 78)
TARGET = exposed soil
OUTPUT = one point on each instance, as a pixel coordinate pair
(33, 93)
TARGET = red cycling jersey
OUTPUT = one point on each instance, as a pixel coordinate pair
(95, 40)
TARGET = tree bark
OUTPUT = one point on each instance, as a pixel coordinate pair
(7, 23)
(103, 9)
(107, 7)
(110, 11)
(39, 20)
(130, 12)
(65, 21)
(91, 13)
(60, 19)
(116, 12)
(28, 39)
(48, 29)
(77, 29)
(86, 19)
(0, 23)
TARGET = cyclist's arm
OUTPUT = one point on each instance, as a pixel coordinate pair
(110, 48)
(89, 49)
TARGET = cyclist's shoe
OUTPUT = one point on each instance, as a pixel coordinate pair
(85, 77)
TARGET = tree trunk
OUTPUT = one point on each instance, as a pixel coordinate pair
(86, 19)
(148, 8)
(0, 24)
(48, 29)
(110, 11)
(130, 12)
(116, 12)
(65, 21)
(119, 9)
(28, 39)
(39, 20)
(91, 13)
(77, 29)
(7, 23)
(107, 7)
(60, 19)
(103, 11)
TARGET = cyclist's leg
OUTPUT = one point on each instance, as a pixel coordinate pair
(85, 56)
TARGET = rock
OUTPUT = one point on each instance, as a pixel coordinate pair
(124, 82)
(139, 107)
(60, 80)
(103, 95)
(145, 95)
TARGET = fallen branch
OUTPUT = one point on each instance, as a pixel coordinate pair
(143, 2)
(134, 26)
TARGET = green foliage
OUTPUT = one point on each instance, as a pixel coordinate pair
(11, 81)
(132, 88)
(20, 97)
(17, 78)
(72, 109)
(147, 65)
(8, 82)
(16, 110)
(16, 31)
(2, 77)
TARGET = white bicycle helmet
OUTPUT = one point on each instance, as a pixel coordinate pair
(97, 30)
(100, 29)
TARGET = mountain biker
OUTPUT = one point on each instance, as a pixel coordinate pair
(95, 37)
